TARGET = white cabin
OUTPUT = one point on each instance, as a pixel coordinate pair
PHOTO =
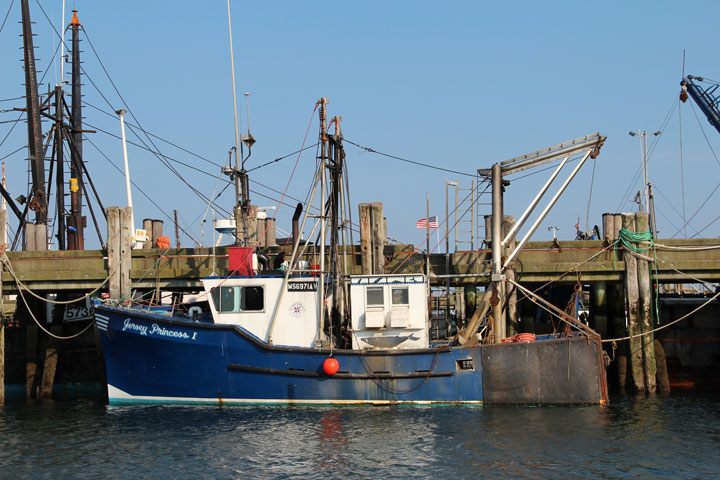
(389, 311)
(249, 302)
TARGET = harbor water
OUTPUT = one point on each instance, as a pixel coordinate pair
(665, 437)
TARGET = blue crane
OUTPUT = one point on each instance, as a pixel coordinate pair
(704, 96)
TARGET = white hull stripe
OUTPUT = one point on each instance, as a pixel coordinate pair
(118, 397)
(102, 322)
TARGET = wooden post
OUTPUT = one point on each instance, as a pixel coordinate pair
(632, 295)
(49, 365)
(270, 240)
(3, 222)
(261, 231)
(645, 287)
(113, 251)
(41, 243)
(30, 237)
(663, 383)
(365, 238)
(616, 303)
(608, 222)
(378, 237)
(33, 233)
(157, 231)
(126, 233)
(251, 235)
(147, 226)
(598, 308)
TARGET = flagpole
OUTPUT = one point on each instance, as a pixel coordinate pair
(427, 233)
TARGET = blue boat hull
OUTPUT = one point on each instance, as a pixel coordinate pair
(153, 358)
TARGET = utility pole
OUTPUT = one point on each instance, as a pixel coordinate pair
(554, 231)
(642, 136)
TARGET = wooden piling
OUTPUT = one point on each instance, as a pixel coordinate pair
(599, 308)
(126, 234)
(378, 237)
(31, 355)
(3, 223)
(616, 303)
(35, 239)
(49, 366)
(251, 233)
(632, 295)
(3, 217)
(157, 231)
(270, 240)
(663, 382)
(646, 323)
(365, 238)
(113, 251)
(608, 222)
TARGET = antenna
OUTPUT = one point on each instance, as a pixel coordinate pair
(248, 139)
(237, 134)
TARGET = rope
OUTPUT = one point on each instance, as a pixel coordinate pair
(58, 337)
(628, 239)
(666, 325)
(21, 286)
(660, 246)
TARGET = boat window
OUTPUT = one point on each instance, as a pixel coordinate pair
(374, 296)
(238, 299)
(400, 296)
(253, 299)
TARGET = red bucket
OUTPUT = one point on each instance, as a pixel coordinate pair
(525, 337)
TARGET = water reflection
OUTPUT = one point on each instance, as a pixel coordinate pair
(670, 437)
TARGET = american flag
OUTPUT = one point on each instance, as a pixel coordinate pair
(422, 223)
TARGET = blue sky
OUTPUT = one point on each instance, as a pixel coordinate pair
(460, 85)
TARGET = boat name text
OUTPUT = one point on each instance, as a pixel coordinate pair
(156, 329)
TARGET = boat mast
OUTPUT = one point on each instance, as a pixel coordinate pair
(76, 234)
(323, 215)
(38, 197)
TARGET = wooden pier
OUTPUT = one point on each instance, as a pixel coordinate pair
(180, 269)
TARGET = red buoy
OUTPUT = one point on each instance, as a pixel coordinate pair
(331, 366)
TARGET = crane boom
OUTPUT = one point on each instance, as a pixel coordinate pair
(705, 97)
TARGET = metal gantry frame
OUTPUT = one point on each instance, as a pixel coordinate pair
(587, 146)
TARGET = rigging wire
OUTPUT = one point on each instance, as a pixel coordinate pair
(672, 205)
(706, 226)
(592, 183)
(626, 196)
(682, 174)
(702, 129)
(160, 156)
(7, 15)
(114, 116)
(281, 158)
(711, 193)
(13, 152)
(146, 148)
(145, 194)
(368, 149)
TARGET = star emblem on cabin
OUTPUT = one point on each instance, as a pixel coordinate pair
(297, 309)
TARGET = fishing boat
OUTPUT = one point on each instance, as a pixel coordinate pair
(315, 334)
